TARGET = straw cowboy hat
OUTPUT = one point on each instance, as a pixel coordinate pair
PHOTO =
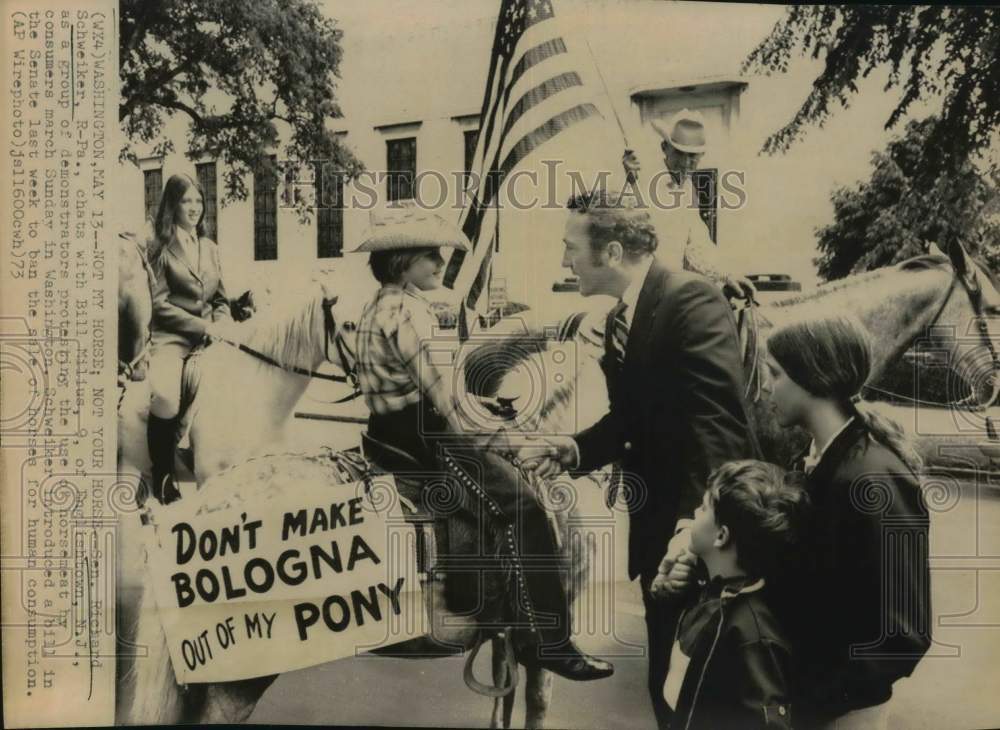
(410, 227)
(684, 131)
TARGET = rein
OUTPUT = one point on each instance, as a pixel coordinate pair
(126, 368)
(975, 294)
(330, 333)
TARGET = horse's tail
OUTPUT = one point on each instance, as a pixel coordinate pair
(156, 698)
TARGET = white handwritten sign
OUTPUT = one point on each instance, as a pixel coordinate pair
(304, 577)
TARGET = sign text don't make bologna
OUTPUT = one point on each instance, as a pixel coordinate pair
(305, 577)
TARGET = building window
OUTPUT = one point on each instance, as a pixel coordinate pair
(206, 179)
(329, 211)
(153, 181)
(706, 191)
(401, 166)
(265, 215)
(471, 138)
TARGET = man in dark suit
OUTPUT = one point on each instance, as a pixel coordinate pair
(675, 386)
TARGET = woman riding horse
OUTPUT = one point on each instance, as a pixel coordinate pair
(414, 421)
(189, 306)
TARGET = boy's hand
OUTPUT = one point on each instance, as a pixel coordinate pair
(677, 567)
(676, 579)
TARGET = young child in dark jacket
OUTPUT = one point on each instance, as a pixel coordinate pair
(730, 663)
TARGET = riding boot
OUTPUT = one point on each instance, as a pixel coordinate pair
(537, 572)
(541, 605)
(161, 436)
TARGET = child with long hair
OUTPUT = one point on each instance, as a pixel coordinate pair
(189, 304)
(731, 662)
(862, 599)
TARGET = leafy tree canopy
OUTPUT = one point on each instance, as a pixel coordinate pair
(887, 219)
(929, 50)
(234, 70)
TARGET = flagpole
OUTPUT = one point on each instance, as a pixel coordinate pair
(630, 175)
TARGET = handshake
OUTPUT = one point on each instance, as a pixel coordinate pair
(548, 456)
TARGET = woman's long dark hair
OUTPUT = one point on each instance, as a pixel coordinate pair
(830, 356)
(166, 214)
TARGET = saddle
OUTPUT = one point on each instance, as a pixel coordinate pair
(455, 543)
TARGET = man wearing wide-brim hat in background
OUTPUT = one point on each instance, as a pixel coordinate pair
(415, 426)
(684, 236)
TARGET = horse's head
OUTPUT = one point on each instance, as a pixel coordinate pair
(340, 331)
(969, 325)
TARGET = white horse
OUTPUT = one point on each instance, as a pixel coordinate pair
(243, 405)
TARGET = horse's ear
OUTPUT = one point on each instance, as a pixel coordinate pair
(959, 259)
(934, 250)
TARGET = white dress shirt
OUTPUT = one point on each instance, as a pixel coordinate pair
(815, 453)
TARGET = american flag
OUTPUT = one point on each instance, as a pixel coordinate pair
(533, 92)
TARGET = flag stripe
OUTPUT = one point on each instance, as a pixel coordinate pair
(533, 57)
(531, 141)
(540, 93)
(549, 49)
(547, 131)
(489, 186)
(527, 103)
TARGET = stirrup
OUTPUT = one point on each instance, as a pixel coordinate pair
(510, 661)
(170, 482)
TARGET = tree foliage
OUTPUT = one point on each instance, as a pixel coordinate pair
(235, 70)
(888, 219)
(928, 50)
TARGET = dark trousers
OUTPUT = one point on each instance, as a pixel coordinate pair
(661, 627)
(484, 483)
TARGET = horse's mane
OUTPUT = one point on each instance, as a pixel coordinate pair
(925, 262)
(922, 263)
(292, 330)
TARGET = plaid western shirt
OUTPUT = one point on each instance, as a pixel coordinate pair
(396, 361)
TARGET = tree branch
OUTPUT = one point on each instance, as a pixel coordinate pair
(149, 87)
(212, 124)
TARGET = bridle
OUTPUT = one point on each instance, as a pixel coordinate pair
(974, 291)
(330, 334)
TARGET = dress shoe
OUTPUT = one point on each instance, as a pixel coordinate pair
(567, 661)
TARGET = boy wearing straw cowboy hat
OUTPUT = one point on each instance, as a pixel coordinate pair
(679, 226)
(413, 407)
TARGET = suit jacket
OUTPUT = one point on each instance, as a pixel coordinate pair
(677, 407)
(855, 634)
(186, 296)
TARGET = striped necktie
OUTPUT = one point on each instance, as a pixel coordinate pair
(617, 342)
(619, 332)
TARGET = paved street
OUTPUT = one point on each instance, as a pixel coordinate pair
(956, 688)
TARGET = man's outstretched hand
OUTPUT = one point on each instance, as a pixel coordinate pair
(550, 456)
